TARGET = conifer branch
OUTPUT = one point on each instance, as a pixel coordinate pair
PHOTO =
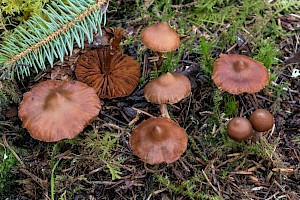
(43, 39)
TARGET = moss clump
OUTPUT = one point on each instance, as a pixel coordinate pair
(7, 163)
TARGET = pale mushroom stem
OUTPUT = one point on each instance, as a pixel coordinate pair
(160, 60)
(164, 111)
(256, 137)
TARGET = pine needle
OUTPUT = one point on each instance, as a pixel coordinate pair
(43, 39)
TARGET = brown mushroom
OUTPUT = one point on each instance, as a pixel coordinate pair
(111, 76)
(261, 120)
(167, 89)
(160, 37)
(238, 74)
(56, 110)
(158, 140)
(239, 129)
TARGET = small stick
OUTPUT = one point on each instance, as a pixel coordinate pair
(12, 151)
(141, 111)
(209, 183)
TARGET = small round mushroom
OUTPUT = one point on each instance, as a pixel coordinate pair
(168, 88)
(261, 120)
(239, 74)
(111, 76)
(160, 37)
(56, 110)
(239, 129)
(158, 140)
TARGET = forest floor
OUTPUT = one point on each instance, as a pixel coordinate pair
(99, 163)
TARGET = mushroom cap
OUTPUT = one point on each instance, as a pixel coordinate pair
(110, 75)
(261, 120)
(158, 140)
(237, 74)
(168, 88)
(160, 37)
(56, 110)
(239, 129)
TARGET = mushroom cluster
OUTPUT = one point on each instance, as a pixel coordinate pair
(161, 140)
(240, 128)
(56, 110)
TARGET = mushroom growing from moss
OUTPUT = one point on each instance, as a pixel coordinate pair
(160, 37)
(110, 75)
(239, 74)
(239, 129)
(56, 110)
(167, 89)
(158, 140)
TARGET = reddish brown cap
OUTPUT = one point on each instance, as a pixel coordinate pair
(261, 120)
(160, 37)
(239, 129)
(56, 110)
(110, 75)
(237, 74)
(168, 88)
(158, 140)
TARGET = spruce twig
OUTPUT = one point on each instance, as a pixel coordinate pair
(50, 35)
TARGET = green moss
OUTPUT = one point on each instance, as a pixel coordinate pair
(21, 10)
(188, 188)
(7, 163)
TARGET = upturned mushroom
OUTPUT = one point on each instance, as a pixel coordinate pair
(168, 88)
(158, 140)
(110, 75)
(239, 129)
(160, 37)
(56, 110)
(239, 74)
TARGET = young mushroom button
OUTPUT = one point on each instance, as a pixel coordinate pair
(167, 89)
(56, 110)
(261, 120)
(239, 74)
(239, 129)
(158, 140)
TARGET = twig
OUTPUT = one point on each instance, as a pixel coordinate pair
(209, 183)
(141, 111)
(188, 109)
(12, 151)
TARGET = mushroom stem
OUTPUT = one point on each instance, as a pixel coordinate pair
(256, 137)
(164, 111)
(160, 60)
